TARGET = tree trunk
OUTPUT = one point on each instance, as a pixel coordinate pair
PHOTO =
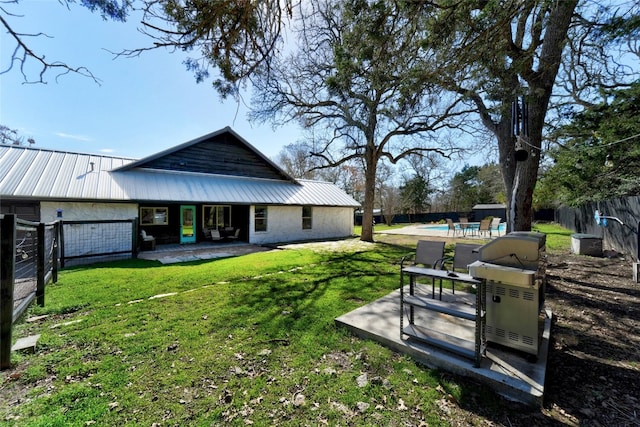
(371, 162)
(520, 177)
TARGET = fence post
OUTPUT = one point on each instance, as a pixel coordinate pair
(56, 250)
(41, 258)
(7, 273)
(61, 244)
(134, 238)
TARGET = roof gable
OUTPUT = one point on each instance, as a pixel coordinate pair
(223, 152)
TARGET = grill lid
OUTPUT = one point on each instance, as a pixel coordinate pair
(502, 274)
(520, 249)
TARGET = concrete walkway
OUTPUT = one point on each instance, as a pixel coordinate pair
(174, 253)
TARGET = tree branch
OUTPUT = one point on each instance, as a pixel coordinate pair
(22, 54)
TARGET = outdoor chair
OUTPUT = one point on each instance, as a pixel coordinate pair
(235, 235)
(485, 227)
(465, 254)
(430, 254)
(495, 225)
(451, 227)
(215, 235)
(148, 240)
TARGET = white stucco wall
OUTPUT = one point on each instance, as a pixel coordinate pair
(284, 224)
(84, 239)
(72, 211)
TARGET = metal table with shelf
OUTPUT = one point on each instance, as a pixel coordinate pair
(423, 333)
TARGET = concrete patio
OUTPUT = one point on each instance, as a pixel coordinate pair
(174, 253)
(508, 372)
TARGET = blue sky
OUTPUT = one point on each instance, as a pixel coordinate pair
(143, 105)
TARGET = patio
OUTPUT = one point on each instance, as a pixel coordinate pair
(508, 372)
(174, 253)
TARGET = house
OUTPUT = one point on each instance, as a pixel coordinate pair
(215, 182)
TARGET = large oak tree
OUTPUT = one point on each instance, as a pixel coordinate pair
(489, 52)
(361, 73)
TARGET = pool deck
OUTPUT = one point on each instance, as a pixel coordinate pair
(424, 230)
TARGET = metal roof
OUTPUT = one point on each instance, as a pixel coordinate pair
(29, 173)
(489, 206)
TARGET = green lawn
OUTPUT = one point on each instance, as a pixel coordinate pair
(237, 341)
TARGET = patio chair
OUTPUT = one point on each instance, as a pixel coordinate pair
(465, 254)
(451, 227)
(235, 235)
(215, 234)
(430, 254)
(464, 225)
(485, 227)
(148, 240)
(495, 225)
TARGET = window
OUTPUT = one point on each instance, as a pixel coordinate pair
(154, 216)
(306, 217)
(260, 219)
(216, 216)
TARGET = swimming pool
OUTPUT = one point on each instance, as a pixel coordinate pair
(444, 227)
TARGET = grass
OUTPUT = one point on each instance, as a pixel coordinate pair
(558, 238)
(242, 340)
(238, 341)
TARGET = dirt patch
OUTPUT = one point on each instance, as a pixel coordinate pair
(594, 362)
(345, 245)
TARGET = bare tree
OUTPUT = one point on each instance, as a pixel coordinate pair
(296, 160)
(12, 137)
(23, 55)
(236, 39)
(359, 74)
(389, 199)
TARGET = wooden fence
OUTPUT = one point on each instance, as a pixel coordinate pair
(622, 236)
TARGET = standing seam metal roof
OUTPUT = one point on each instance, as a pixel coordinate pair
(29, 173)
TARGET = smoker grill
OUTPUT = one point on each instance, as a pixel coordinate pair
(513, 267)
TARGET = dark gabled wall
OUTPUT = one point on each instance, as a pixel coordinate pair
(222, 154)
(27, 210)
